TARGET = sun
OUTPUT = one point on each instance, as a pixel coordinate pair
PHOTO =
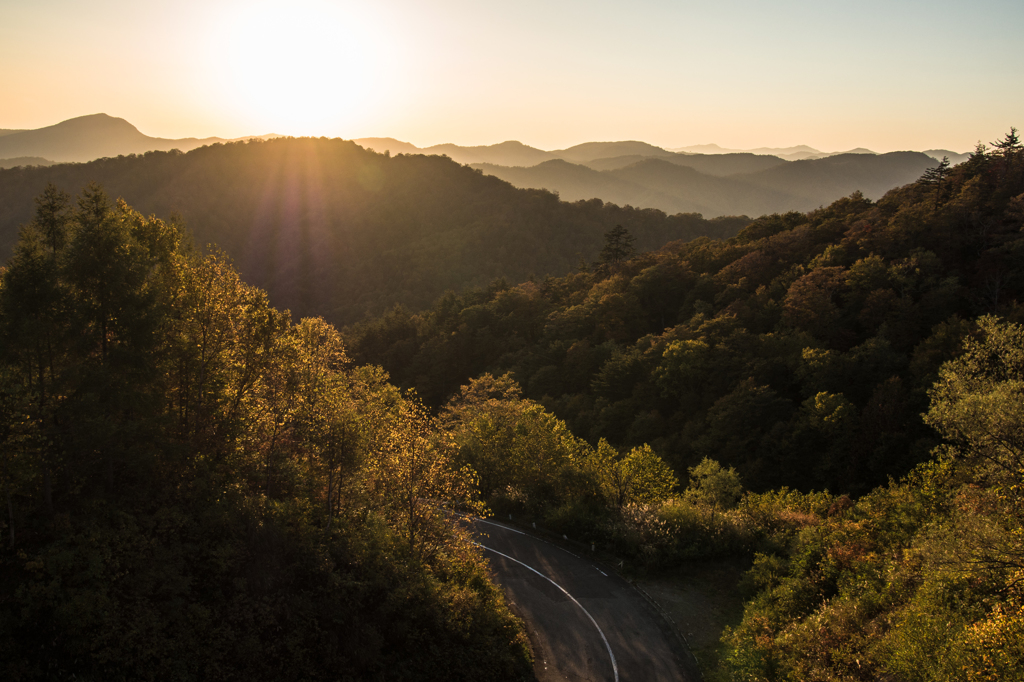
(302, 67)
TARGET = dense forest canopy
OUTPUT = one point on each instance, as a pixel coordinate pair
(197, 488)
(799, 351)
(330, 229)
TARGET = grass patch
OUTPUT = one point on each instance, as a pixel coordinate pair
(702, 598)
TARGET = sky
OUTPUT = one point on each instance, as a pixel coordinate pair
(892, 75)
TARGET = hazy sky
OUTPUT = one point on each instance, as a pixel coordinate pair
(899, 74)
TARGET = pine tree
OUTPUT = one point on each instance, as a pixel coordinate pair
(1009, 144)
(934, 177)
(618, 245)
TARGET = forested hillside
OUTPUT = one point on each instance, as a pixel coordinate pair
(874, 349)
(799, 351)
(331, 229)
(195, 488)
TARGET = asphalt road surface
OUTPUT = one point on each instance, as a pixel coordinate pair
(584, 622)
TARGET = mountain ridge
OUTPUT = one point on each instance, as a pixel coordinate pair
(784, 186)
(25, 161)
(94, 136)
(332, 229)
(117, 137)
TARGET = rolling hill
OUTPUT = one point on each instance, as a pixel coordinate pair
(819, 181)
(711, 164)
(25, 161)
(332, 229)
(667, 184)
(954, 157)
(591, 151)
(509, 153)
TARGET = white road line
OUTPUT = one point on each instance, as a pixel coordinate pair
(615, 665)
(600, 571)
(499, 525)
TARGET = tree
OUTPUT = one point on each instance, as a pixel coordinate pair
(1009, 144)
(411, 479)
(650, 479)
(638, 477)
(327, 420)
(53, 217)
(978, 404)
(511, 442)
(618, 245)
(811, 302)
(16, 442)
(935, 177)
(714, 485)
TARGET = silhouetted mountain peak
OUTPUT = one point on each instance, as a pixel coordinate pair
(590, 151)
(93, 122)
(511, 144)
(85, 138)
(954, 157)
(662, 166)
(387, 144)
(99, 127)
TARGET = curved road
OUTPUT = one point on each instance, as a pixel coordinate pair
(584, 623)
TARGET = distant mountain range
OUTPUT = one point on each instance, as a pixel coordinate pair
(617, 154)
(803, 152)
(706, 179)
(25, 161)
(954, 158)
(672, 186)
(798, 153)
(89, 137)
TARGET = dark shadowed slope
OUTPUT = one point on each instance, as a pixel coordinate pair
(331, 229)
(819, 181)
(690, 189)
(719, 165)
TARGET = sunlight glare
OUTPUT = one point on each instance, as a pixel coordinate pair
(304, 67)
